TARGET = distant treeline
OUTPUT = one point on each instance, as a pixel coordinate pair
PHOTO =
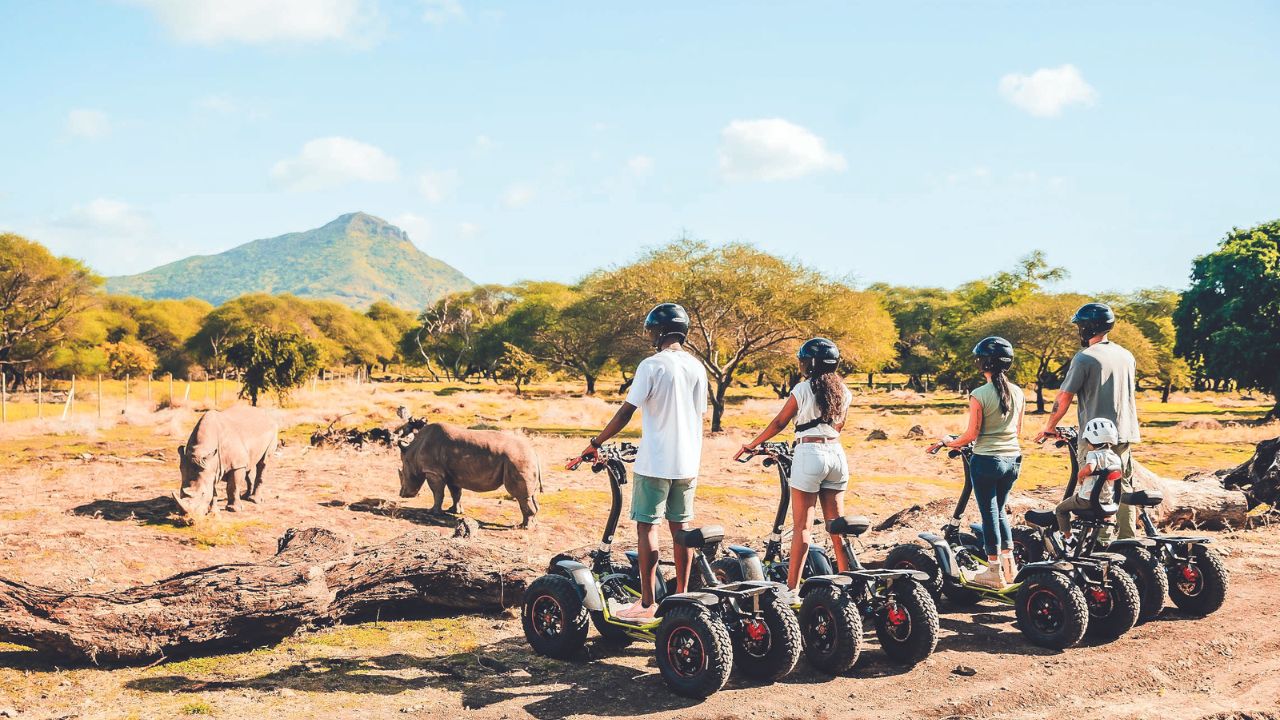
(750, 312)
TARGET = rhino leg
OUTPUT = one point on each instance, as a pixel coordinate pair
(234, 478)
(528, 509)
(436, 484)
(251, 492)
(455, 494)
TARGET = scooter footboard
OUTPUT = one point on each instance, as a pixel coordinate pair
(888, 576)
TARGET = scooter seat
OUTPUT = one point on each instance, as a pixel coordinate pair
(699, 537)
(849, 525)
(1142, 498)
(1042, 518)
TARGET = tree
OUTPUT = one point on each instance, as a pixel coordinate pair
(1010, 287)
(518, 366)
(392, 323)
(272, 360)
(1151, 311)
(40, 294)
(744, 304)
(450, 331)
(1228, 320)
(1044, 339)
(129, 358)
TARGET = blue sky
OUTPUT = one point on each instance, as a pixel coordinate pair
(914, 143)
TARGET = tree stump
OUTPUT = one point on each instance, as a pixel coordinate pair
(316, 578)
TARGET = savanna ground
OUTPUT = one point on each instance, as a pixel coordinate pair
(84, 506)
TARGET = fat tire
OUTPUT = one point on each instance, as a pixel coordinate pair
(846, 627)
(727, 570)
(785, 642)
(1074, 609)
(1028, 545)
(923, 616)
(1125, 606)
(716, 643)
(912, 556)
(1216, 579)
(1149, 576)
(561, 591)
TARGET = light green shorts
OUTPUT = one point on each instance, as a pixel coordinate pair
(654, 498)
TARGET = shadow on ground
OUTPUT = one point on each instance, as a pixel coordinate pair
(415, 515)
(486, 676)
(160, 510)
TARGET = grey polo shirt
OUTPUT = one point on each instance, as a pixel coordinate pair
(1103, 379)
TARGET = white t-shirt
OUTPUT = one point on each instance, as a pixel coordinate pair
(1102, 460)
(670, 388)
(807, 411)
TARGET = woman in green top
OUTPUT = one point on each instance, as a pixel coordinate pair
(995, 422)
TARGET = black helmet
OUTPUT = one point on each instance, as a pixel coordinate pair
(1093, 319)
(995, 352)
(819, 353)
(667, 319)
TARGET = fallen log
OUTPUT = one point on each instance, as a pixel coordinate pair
(316, 578)
(1259, 476)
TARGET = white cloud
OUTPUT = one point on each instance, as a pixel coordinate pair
(435, 186)
(86, 123)
(110, 217)
(417, 226)
(484, 143)
(333, 161)
(468, 229)
(640, 165)
(517, 196)
(1045, 92)
(439, 12)
(207, 22)
(773, 149)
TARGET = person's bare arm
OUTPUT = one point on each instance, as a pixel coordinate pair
(619, 421)
(975, 425)
(1061, 405)
(1085, 472)
(775, 426)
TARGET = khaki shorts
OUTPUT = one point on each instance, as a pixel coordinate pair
(654, 498)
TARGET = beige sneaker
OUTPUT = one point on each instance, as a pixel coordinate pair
(1008, 566)
(991, 577)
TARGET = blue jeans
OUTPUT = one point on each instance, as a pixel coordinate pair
(993, 477)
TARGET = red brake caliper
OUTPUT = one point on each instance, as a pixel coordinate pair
(897, 615)
(1189, 573)
(756, 630)
(1099, 595)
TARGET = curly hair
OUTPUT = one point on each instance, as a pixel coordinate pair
(828, 391)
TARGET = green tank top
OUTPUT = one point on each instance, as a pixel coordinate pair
(999, 433)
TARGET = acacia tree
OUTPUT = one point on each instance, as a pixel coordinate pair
(744, 304)
(1044, 339)
(40, 294)
(272, 361)
(1151, 311)
(451, 331)
(518, 366)
(1228, 321)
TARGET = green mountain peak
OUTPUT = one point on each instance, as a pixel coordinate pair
(355, 259)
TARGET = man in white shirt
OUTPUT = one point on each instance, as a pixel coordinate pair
(670, 390)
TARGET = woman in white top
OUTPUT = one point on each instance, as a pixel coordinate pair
(819, 470)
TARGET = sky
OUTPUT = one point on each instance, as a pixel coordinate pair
(923, 143)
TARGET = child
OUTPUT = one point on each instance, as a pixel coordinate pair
(819, 471)
(1100, 461)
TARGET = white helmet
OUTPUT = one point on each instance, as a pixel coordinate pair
(1101, 431)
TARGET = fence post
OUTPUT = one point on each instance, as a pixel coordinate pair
(71, 397)
(99, 396)
(40, 395)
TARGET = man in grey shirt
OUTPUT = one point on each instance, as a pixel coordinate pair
(1102, 377)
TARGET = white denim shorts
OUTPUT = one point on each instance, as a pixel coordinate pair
(819, 466)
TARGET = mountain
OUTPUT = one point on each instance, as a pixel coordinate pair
(354, 260)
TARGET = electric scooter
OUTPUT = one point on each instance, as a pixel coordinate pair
(835, 605)
(1056, 601)
(1180, 566)
(699, 636)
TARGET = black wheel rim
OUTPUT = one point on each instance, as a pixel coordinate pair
(1044, 607)
(897, 621)
(685, 652)
(1189, 580)
(1100, 601)
(547, 616)
(821, 630)
(756, 638)
(1019, 553)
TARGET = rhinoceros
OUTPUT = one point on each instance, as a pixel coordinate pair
(230, 445)
(453, 457)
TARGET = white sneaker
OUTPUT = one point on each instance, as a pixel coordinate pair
(635, 612)
(991, 577)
